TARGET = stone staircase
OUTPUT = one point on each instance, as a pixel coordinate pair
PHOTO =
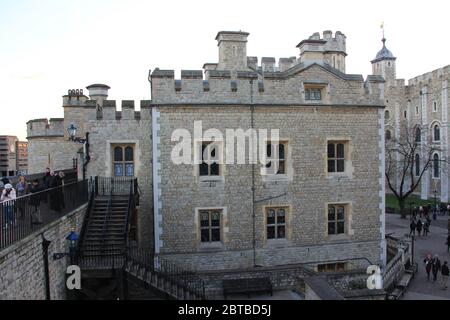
(104, 239)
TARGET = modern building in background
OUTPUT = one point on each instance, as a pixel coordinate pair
(22, 157)
(13, 156)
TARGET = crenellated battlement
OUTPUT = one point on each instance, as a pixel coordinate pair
(39, 128)
(433, 76)
(269, 87)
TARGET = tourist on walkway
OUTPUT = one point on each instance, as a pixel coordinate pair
(444, 272)
(21, 190)
(419, 226)
(448, 243)
(436, 267)
(412, 227)
(35, 202)
(421, 210)
(426, 228)
(7, 198)
(428, 265)
(55, 203)
(448, 209)
(60, 192)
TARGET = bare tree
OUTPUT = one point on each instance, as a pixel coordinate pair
(408, 159)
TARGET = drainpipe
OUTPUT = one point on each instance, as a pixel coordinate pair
(252, 110)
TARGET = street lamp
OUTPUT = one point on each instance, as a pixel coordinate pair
(72, 131)
(72, 240)
(435, 202)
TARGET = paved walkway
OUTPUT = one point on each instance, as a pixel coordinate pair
(420, 288)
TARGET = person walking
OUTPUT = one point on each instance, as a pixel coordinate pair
(412, 227)
(419, 227)
(426, 228)
(448, 209)
(421, 210)
(448, 243)
(21, 190)
(7, 198)
(35, 202)
(444, 273)
(428, 265)
(436, 267)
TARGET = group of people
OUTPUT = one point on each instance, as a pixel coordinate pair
(421, 226)
(14, 207)
(434, 266)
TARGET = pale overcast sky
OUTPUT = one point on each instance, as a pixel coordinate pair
(50, 46)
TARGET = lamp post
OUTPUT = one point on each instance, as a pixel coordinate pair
(435, 203)
(72, 131)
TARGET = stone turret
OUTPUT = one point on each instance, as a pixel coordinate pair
(384, 64)
(98, 92)
(232, 50)
(326, 50)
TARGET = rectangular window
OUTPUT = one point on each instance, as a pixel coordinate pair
(336, 219)
(210, 166)
(276, 223)
(331, 267)
(314, 94)
(276, 163)
(210, 226)
(336, 157)
(123, 160)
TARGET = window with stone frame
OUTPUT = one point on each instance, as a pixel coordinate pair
(123, 160)
(417, 165)
(336, 219)
(337, 156)
(436, 166)
(436, 133)
(332, 267)
(313, 94)
(210, 159)
(210, 226)
(388, 135)
(418, 135)
(276, 223)
(276, 163)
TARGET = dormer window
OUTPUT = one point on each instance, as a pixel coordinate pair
(313, 94)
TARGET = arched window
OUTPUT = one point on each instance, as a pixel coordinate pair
(418, 134)
(123, 161)
(436, 168)
(417, 163)
(387, 114)
(436, 133)
(388, 135)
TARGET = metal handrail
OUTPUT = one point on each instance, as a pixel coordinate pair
(85, 221)
(168, 270)
(108, 212)
(131, 208)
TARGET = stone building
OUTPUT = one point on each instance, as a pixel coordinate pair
(423, 107)
(317, 196)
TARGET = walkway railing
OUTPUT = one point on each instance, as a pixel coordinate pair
(114, 186)
(23, 216)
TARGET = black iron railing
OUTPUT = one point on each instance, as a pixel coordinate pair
(168, 271)
(23, 216)
(91, 201)
(117, 186)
